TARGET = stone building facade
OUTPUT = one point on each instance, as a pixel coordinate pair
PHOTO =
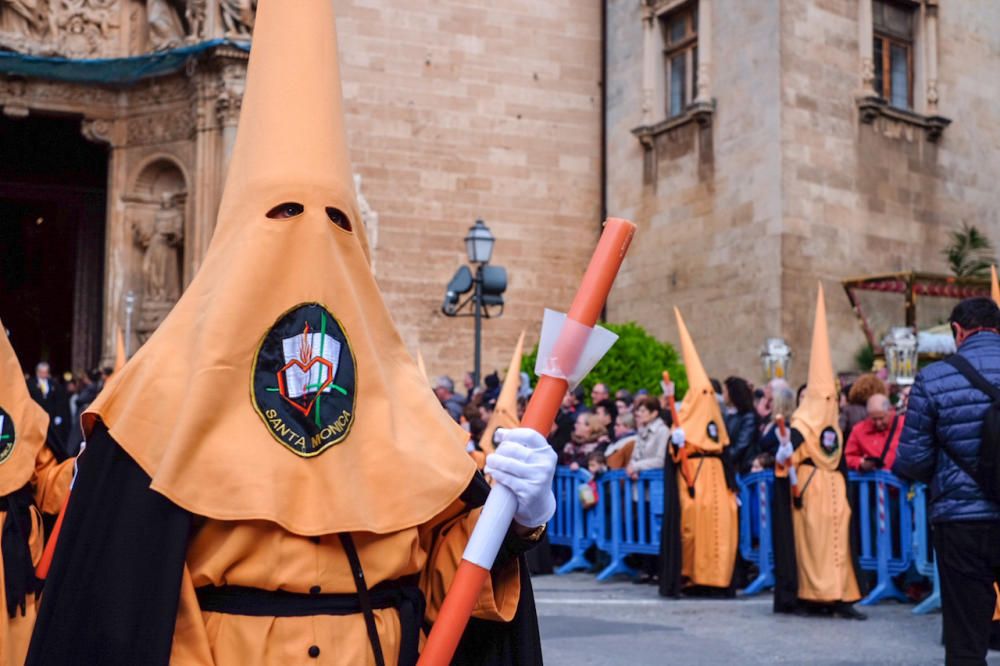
(759, 146)
(781, 164)
(456, 111)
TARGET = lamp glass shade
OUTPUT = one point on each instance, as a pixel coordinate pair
(479, 243)
(900, 347)
(776, 356)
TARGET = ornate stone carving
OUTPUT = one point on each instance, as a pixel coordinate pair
(98, 130)
(73, 28)
(237, 17)
(160, 240)
(173, 125)
(165, 28)
(196, 14)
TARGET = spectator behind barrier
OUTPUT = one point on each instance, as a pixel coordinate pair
(741, 423)
(620, 453)
(941, 441)
(650, 449)
(869, 447)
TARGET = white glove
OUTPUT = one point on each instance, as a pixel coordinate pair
(793, 476)
(785, 452)
(668, 388)
(525, 464)
(677, 437)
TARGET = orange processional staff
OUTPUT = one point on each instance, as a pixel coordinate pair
(561, 366)
(682, 456)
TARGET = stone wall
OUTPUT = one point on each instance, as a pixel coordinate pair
(868, 198)
(462, 110)
(796, 188)
(709, 221)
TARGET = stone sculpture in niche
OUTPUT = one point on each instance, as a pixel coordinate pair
(161, 239)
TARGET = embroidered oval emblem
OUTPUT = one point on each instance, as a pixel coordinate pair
(6, 436)
(713, 431)
(829, 440)
(303, 381)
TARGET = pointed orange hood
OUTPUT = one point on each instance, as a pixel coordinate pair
(994, 285)
(700, 415)
(278, 389)
(422, 367)
(818, 417)
(23, 423)
(119, 350)
(505, 413)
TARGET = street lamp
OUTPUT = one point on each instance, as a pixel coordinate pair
(487, 286)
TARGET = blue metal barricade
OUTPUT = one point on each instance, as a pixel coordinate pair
(629, 517)
(923, 552)
(886, 530)
(756, 495)
(571, 524)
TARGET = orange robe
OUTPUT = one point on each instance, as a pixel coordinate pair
(262, 555)
(51, 482)
(709, 525)
(822, 530)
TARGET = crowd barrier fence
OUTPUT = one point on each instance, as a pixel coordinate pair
(923, 553)
(627, 519)
(756, 494)
(886, 530)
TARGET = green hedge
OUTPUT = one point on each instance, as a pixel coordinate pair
(636, 361)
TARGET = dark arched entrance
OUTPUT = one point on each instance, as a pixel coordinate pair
(53, 189)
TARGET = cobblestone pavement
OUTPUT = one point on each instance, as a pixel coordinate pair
(586, 622)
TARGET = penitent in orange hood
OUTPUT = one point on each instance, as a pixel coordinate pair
(23, 423)
(818, 416)
(279, 389)
(700, 415)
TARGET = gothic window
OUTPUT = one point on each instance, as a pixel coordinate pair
(893, 52)
(680, 57)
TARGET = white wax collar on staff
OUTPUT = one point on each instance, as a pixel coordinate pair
(556, 324)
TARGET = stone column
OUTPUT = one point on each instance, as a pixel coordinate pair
(866, 39)
(703, 95)
(116, 241)
(931, 56)
(649, 58)
(207, 164)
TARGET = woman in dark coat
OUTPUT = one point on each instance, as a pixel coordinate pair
(741, 423)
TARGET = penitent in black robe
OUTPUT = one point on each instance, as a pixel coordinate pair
(113, 590)
(786, 576)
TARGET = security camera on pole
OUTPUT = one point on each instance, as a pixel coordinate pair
(487, 286)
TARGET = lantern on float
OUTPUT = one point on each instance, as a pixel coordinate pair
(776, 356)
(900, 348)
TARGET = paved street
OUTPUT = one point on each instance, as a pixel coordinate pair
(586, 622)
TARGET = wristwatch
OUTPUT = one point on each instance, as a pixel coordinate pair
(536, 534)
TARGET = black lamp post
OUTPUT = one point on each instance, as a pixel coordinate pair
(487, 286)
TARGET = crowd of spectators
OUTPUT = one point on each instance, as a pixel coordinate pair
(626, 429)
(64, 399)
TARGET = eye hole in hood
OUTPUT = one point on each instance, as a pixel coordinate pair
(284, 211)
(339, 218)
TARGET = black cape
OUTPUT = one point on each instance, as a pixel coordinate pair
(113, 589)
(786, 576)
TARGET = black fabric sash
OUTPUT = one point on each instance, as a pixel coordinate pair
(18, 572)
(888, 442)
(727, 468)
(403, 595)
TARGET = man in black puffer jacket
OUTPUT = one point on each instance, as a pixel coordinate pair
(944, 422)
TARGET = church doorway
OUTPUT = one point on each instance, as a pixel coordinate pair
(53, 192)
